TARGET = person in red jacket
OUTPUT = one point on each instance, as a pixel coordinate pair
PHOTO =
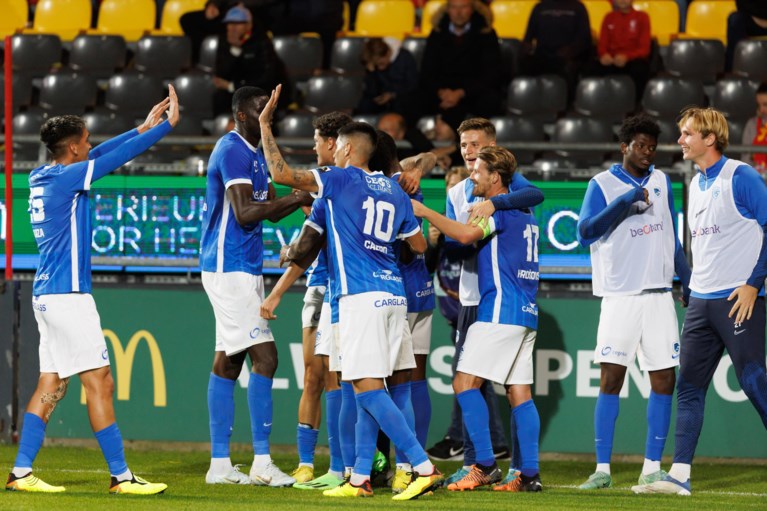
(624, 45)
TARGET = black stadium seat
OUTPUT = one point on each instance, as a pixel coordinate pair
(608, 97)
(107, 123)
(697, 59)
(734, 97)
(539, 97)
(346, 53)
(133, 94)
(163, 56)
(518, 129)
(328, 93)
(416, 46)
(22, 91)
(296, 125)
(301, 55)
(97, 55)
(586, 130)
(195, 94)
(67, 93)
(35, 55)
(665, 97)
(751, 59)
(208, 50)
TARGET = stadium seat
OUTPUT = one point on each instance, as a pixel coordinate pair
(734, 97)
(188, 125)
(221, 125)
(735, 128)
(382, 18)
(172, 12)
(698, 59)
(537, 97)
(301, 54)
(208, 51)
(97, 55)
(28, 123)
(609, 97)
(518, 129)
(669, 134)
(510, 49)
(665, 97)
(707, 19)
(14, 16)
(416, 46)
(128, 18)
(345, 56)
(328, 93)
(582, 130)
(597, 10)
(750, 59)
(22, 91)
(67, 92)
(298, 125)
(163, 56)
(35, 54)
(195, 94)
(510, 17)
(65, 18)
(133, 94)
(664, 18)
(107, 123)
(371, 119)
(429, 9)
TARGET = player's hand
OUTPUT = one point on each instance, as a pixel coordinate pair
(646, 195)
(268, 306)
(305, 197)
(410, 180)
(433, 236)
(172, 112)
(620, 60)
(284, 257)
(419, 209)
(744, 297)
(268, 112)
(154, 117)
(480, 211)
(383, 98)
(606, 59)
(220, 83)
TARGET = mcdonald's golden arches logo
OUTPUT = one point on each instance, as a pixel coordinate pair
(124, 366)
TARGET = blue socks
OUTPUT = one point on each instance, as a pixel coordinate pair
(381, 407)
(346, 423)
(332, 412)
(658, 421)
(419, 395)
(366, 432)
(400, 394)
(220, 414)
(32, 436)
(111, 443)
(528, 431)
(605, 415)
(516, 454)
(475, 420)
(260, 404)
(306, 441)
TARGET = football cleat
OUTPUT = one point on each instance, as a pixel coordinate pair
(446, 450)
(668, 485)
(597, 481)
(421, 485)
(476, 478)
(651, 478)
(303, 474)
(401, 479)
(234, 476)
(270, 475)
(326, 482)
(381, 473)
(31, 483)
(531, 484)
(511, 482)
(349, 490)
(136, 486)
(455, 476)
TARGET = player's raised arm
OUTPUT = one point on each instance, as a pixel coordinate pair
(414, 168)
(279, 169)
(248, 211)
(462, 233)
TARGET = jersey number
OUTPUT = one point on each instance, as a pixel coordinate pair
(375, 214)
(36, 209)
(531, 235)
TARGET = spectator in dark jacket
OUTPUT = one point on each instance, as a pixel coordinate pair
(750, 20)
(197, 25)
(391, 77)
(460, 71)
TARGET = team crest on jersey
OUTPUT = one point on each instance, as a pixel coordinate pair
(379, 183)
(716, 192)
(657, 191)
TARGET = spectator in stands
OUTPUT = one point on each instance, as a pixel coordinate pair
(448, 155)
(394, 125)
(391, 77)
(624, 45)
(460, 71)
(755, 132)
(245, 56)
(750, 20)
(197, 25)
(557, 40)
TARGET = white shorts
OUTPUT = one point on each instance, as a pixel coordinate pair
(499, 353)
(71, 339)
(419, 325)
(370, 331)
(334, 360)
(236, 298)
(324, 338)
(310, 314)
(644, 326)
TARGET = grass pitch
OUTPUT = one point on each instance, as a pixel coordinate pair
(83, 472)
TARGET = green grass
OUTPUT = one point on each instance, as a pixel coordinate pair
(83, 472)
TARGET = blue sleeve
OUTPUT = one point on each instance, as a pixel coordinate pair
(125, 152)
(597, 217)
(236, 163)
(524, 198)
(750, 195)
(681, 266)
(332, 181)
(111, 144)
(317, 215)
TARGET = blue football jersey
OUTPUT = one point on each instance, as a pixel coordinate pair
(227, 246)
(366, 214)
(317, 274)
(318, 220)
(60, 212)
(507, 264)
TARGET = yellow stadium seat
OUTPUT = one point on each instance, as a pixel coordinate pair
(14, 16)
(347, 14)
(597, 10)
(431, 7)
(65, 18)
(510, 17)
(385, 18)
(128, 18)
(664, 18)
(707, 19)
(172, 12)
